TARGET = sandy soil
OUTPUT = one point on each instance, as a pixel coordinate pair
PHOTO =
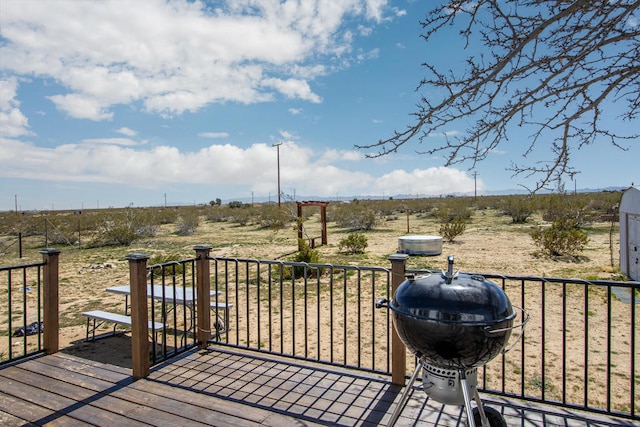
(490, 244)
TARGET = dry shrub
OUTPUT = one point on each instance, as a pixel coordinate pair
(562, 238)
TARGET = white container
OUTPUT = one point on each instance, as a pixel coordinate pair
(420, 245)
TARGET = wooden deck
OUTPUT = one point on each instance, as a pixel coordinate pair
(227, 387)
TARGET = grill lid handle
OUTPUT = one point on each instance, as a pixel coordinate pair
(449, 275)
(382, 302)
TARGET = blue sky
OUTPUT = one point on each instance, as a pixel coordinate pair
(117, 103)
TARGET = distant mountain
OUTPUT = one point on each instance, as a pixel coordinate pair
(507, 192)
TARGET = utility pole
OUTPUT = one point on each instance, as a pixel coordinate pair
(475, 184)
(575, 182)
(278, 148)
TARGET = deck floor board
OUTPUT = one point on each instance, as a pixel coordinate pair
(223, 387)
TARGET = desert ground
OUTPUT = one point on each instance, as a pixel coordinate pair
(490, 244)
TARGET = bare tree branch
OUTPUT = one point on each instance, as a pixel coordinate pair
(551, 67)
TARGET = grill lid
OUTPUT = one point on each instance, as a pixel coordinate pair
(452, 297)
(452, 321)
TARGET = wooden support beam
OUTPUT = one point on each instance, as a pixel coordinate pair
(398, 350)
(139, 315)
(203, 299)
(323, 220)
(51, 340)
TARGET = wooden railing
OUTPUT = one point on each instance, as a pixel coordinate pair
(580, 349)
(29, 307)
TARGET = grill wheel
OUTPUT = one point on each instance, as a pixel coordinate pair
(493, 416)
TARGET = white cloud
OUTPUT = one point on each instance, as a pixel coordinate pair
(435, 180)
(122, 162)
(80, 106)
(447, 133)
(372, 54)
(110, 141)
(364, 30)
(176, 56)
(8, 89)
(168, 57)
(12, 122)
(126, 131)
(293, 88)
(287, 135)
(213, 135)
(399, 12)
(330, 156)
(374, 9)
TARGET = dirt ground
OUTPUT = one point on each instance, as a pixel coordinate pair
(490, 244)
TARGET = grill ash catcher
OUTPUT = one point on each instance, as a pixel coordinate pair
(453, 323)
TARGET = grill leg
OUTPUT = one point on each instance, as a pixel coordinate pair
(405, 395)
(483, 416)
(467, 399)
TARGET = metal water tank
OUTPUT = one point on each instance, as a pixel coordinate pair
(420, 245)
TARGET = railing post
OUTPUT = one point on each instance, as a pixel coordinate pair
(203, 300)
(139, 315)
(398, 350)
(323, 222)
(300, 229)
(51, 296)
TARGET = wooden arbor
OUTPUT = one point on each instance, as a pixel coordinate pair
(323, 221)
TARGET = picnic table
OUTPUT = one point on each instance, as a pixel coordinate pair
(178, 295)
(170, 297)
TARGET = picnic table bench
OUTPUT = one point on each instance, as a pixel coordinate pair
(100, 317)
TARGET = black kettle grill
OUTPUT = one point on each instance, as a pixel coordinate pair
(453, 323)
